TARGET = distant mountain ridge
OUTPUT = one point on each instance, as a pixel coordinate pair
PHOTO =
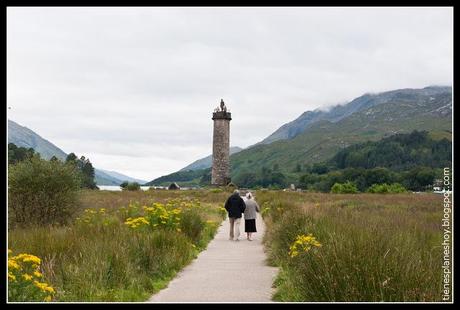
(25, 137)
(122, 177)
(338, 112)
(206, 162)
(399, 111)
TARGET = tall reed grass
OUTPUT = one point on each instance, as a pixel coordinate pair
(372, 247)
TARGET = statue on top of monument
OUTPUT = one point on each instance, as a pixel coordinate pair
(222, 106)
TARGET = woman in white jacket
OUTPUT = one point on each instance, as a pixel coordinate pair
(250, 214)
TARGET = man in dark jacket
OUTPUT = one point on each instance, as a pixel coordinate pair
(235, 207)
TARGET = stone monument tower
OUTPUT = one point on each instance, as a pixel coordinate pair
(220, 173)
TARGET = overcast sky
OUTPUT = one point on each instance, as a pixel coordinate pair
(133, 89)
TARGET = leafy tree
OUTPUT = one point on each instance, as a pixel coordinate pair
(88, 173)
(71, 158)
(419, 178)
(17, 154)
(84, 165)
(378, 175)
(298, 168)
(319, 168)
(246, 179)
(278, 179)
(206, 178)
(307, 180)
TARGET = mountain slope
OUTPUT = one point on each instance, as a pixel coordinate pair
(206, 162)
(23, 136)
(184, 178)
(409, 110)
(121, 177)
(292, 129)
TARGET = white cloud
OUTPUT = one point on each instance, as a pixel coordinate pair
(133, 89)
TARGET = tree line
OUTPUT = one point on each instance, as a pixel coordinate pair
(411, 161)
(82, 165)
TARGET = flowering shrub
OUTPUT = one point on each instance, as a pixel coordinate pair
(163, 216)
(25, 281)
(137, 222)
(303, 243)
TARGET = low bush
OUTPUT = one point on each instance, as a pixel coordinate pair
(344, 188)
(130, 186)
(384, 188)
(42, 192)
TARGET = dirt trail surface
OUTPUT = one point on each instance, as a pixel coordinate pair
(227, 271)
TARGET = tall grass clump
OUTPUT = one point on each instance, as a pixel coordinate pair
(365, 248)
(42, 192)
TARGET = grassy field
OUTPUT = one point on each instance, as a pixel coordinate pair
(125, 246)
(122, 246)
(363, 247)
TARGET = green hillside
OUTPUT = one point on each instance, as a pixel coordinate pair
(324, 139)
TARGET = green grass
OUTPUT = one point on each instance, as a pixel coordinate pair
(373, 247)
(112, 262)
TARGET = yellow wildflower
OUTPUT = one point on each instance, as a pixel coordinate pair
(11, 277)
(27, 277)
(28, 258)
(37, 274)
(135, 222)
(304, 243)
(12, 264)
(41, 285)
(49, 289)
(48, 298)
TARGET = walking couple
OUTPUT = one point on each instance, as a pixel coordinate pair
(236, 206)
